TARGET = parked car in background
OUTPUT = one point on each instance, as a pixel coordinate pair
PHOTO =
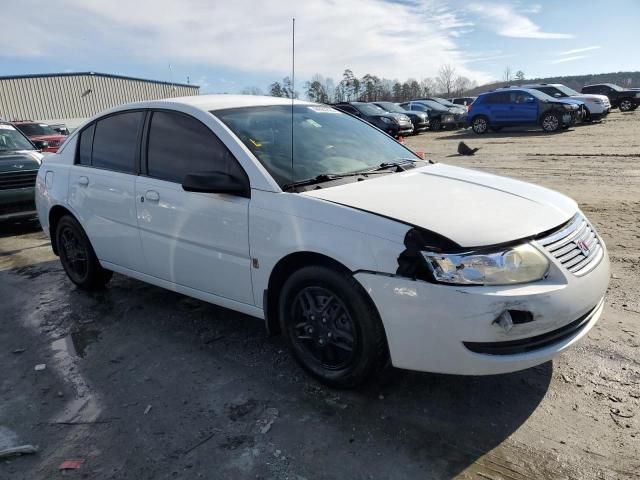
(42, 135)
(395, 124)
(459, 111)
(465, 101)
(625, 99)
(420, 120)
(596, 106)
(343, 240)
(516, 107)
(19, 163)
(61, 128)
(439, 116)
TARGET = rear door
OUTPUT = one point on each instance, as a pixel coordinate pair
(196, 240)
(101, 187)
(497, 108)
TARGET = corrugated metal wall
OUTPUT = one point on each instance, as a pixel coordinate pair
(77, 96)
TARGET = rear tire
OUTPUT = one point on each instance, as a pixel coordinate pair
(331, 327)
(77, 256)
(551, 122)
(480, 125)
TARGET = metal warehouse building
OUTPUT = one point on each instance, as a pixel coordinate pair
(70, 98)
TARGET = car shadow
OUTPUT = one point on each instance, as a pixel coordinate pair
(504, 133)
(13, 228)
(208, 369)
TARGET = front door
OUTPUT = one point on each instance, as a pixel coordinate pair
(196, 240)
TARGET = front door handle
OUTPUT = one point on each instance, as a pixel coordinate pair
(152, 195)
(84, 181)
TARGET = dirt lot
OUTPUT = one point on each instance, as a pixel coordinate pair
(141, 383)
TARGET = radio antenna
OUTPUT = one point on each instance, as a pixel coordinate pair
(293, 86)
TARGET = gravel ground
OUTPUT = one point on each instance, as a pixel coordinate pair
(141, 383)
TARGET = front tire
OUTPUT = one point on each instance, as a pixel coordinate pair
(551, 122)
(77, 256)
(626, 106)
(480, 125)
(435, 125)
(331, 327)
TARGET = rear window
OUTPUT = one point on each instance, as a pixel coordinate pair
(502, 97)
(115, 142)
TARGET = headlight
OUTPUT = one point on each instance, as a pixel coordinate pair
(637, 95)
(520, 264)
(386, 120)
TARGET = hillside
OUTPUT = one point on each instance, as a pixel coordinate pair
(624, 79)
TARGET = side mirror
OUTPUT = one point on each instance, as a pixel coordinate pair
(215, 182)
(529, 99)
(557, 94)
(40, 144)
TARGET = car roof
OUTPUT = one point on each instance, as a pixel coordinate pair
(223, 101)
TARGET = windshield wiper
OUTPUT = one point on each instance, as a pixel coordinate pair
(397, 164)
(327, 177)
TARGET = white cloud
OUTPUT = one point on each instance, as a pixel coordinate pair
(394, 40)
(579, 50)
(568, 59)
(507, 22)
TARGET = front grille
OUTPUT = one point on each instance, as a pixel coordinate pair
(53, 143)
(576, 246)
(523, 345)
(16, 179)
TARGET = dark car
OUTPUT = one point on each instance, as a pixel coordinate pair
(19, 164)
(464, 101)
(395, 124)
(625, 99)
(439, 116)
(515, 107)
(420, 120)
(42, 135)
(459, 111)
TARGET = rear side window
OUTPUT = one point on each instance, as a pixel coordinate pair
(115, 142)
(179, 144)
(86, 144)
(497, 98)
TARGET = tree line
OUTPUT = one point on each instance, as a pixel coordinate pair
(371, 88)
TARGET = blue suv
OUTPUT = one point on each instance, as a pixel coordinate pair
(515, 107)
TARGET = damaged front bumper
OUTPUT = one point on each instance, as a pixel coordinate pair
(462, 330)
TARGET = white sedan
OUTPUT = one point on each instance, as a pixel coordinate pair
(339, 237)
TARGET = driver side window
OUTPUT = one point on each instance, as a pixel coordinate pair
(179, 144)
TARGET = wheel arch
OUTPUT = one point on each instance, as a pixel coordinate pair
(55, 214)
(279, 274)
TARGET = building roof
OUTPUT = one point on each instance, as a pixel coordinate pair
(97, 74)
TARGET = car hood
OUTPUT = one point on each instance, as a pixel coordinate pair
(585, 96)
(19, 161)
(48, 138)
(469, 207)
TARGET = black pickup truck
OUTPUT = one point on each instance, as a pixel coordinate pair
(625, 99)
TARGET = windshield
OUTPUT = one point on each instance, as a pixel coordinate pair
(391, 107)
(566, 90)
(541, 95)
(369, 109)
(34, 129)
(442, 101)
(433, 104)
(11, 139)
(615, 87)
(325, 141)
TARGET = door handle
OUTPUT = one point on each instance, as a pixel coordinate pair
(84, 181)
(152, 195)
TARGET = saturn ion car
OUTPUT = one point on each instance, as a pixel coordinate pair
(344, 241)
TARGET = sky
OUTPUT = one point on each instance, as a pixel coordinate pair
(224, 46)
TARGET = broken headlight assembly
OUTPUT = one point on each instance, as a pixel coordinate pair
(519, 264)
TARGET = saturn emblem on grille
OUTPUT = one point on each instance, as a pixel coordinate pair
(17, 165)
(583, 247)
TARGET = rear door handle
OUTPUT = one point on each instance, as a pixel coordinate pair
(84, 181)
(152, 195)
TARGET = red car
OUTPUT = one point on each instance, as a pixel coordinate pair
(39, 133)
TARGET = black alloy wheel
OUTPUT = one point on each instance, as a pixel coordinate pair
(331, 326)
(77, 256)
